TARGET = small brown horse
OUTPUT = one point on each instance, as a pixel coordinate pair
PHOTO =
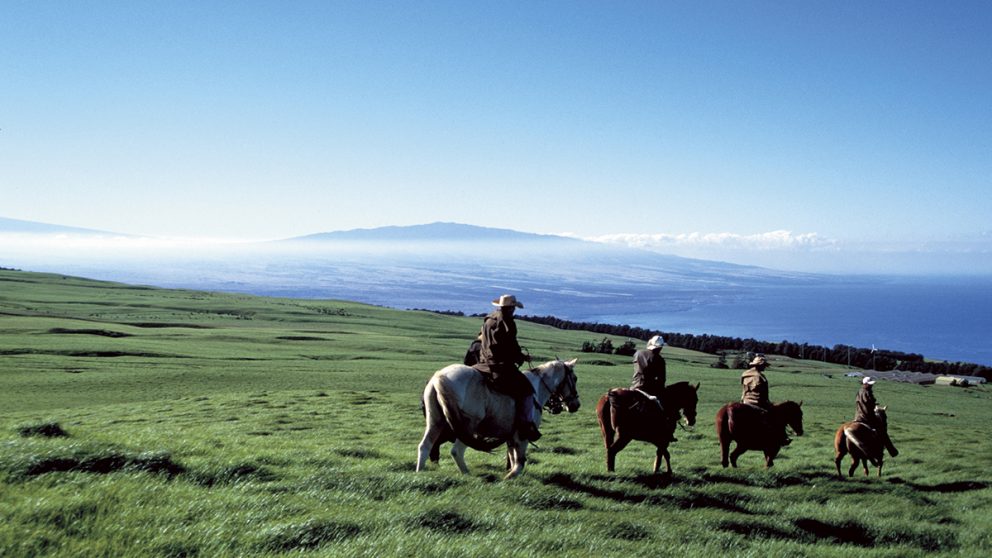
(639, 418)
(864, 443)
(744, 424)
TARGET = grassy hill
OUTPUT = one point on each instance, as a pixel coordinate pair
(206, 424)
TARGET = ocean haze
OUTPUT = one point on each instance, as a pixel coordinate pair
(458, 267)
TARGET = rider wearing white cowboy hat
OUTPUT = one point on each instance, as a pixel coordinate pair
(501, 356)
(649, 368)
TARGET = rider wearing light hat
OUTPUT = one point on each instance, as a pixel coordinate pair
(650, 368)
(754, 392)
(501, 355)
(864, 412)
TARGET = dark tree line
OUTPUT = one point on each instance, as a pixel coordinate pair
(857, 357)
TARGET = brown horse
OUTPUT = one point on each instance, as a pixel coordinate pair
(864, 443)
(744, 424)
(639, 418)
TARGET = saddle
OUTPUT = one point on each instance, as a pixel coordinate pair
(505, 379)
(635, 400)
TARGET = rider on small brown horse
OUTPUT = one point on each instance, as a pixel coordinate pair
(754, 391)
(500, 356)
(649, 375)
(864, 410)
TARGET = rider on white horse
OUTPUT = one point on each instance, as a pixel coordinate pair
(501, 355)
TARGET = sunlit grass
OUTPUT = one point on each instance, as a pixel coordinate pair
(253, 426)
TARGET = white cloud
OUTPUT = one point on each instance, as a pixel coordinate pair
(773, 240)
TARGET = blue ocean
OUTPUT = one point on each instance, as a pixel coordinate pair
(941, 318)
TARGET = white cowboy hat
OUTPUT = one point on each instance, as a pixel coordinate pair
(868, 381)
(507, 300)
(656, 341)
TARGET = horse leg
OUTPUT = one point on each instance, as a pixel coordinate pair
(738, 451)
(613, 449)
(426, 447)
(662, 453)
(770, 455)
(880, 468)
(458, 453)
(854, 465)
(517, 452)
(723, 435)
(841, 452)
(840, 448)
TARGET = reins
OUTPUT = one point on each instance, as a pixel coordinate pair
(555, 401)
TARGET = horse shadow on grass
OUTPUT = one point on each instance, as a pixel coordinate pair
(639, 489)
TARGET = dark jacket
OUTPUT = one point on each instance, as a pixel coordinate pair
(649, 372)
(501, 355)
(864, 406)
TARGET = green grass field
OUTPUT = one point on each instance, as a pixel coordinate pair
(205, 424)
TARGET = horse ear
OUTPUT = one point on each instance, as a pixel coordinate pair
(696, 387)
(800, 402)
(572, 362)
(884, 408)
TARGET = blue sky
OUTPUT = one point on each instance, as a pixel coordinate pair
(842, 136)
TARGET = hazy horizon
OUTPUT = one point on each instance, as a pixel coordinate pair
(807, 255)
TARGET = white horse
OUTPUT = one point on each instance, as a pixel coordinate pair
(460, 406)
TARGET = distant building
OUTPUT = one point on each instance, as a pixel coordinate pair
(963, 381)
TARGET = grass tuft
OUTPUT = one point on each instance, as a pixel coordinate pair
(308, 535)
(627, 531)
(234, 473)
(444, 521)
(45, 429)
(544, 501)
(30, 461)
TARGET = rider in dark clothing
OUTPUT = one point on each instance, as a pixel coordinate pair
(500, 355)
(865, 404)
(473, 352)
(650, 368)
(864, 411)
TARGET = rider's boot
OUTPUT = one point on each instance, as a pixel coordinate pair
(525, 419)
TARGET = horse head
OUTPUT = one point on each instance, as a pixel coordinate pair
(568, 390)
(562, 387)
(883, 418)
(683, 396)
(792, 415)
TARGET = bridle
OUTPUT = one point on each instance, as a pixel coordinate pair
(556, 402)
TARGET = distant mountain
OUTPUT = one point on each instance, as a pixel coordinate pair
(445, 266)
(432, 232)
(32, 227)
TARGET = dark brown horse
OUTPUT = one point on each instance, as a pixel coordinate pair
(752, 430)
(864, 443)
(639, 418)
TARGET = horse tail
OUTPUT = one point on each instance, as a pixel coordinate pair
(605, 415)
(723, 424)
(864, 447)
(456, 421)
(839, 439)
